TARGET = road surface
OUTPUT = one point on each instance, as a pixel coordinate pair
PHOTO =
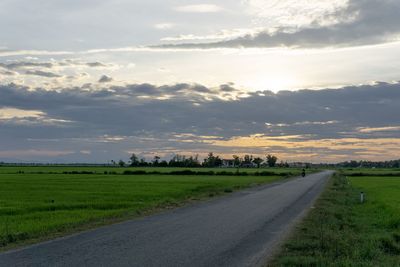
(241, 229)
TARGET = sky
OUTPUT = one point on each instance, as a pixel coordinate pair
(306, 80)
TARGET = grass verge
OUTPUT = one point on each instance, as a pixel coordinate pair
(340, 231)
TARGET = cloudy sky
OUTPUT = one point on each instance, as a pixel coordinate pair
(95, 80)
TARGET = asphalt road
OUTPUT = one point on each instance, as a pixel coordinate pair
(241, 229)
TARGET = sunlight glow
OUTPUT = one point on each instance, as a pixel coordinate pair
(273, 82)
(11, 113)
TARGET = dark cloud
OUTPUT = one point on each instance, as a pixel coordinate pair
(96, 64)
(105, 79)
(49, 65)
(23, 64)
(375, 22)
(299, 112)
(43, 69)
(8, 73)
(186, 120)
(227, 88)
(41, 73)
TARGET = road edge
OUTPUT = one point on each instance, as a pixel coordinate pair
(278, 244)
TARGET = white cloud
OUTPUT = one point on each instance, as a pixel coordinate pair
(11, 53)
(223, 34)
(297, 13)
(200, 8)
(378, 129)
(355, 23)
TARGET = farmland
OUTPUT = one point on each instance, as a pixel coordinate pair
(51, 169)
(340, 231)
(37, 203)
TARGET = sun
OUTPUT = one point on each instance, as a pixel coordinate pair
(274, 82)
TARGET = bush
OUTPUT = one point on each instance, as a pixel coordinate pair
(138, 172)
(79, 172)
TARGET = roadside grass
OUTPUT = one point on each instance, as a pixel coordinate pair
(35, 207)
(340, 231)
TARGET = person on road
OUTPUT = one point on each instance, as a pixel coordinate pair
(303, 172)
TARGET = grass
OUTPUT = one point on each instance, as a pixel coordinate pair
(340, 231)
(40, 206)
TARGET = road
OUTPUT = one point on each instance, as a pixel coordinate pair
(241, 229)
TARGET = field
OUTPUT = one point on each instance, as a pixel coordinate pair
(340, 231)
(118, 170)
(37, 203)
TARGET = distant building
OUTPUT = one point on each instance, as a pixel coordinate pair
(248, 165)
(297, 165)
(228, 163)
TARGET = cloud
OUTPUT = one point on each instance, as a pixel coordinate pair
(43, 73)
(200, 8)
(87, 52)
(33, 153)
(295, 13)
(12, 113)
(8, 73)
(11, 53)
(72, 70)
(94, 64)
(379, 129)
(21, 65)
(223, 34)
(351, 122)
(24, 64)
(371, 22)
(105, 79)
(15, 116)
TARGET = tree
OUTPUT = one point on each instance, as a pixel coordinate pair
(192, 161)
(156, 161)
(134, 160)
(258, 161)
(271, 160)
(143, 162)
(287, 165)
(121, 163)
(212, 161)
(163, 163)
(248, 159)
(177, 161)
(396, 164)
(237, 161)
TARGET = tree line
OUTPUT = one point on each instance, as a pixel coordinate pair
(211, 161)
(370, 164)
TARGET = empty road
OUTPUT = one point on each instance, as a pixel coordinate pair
(241, 229)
